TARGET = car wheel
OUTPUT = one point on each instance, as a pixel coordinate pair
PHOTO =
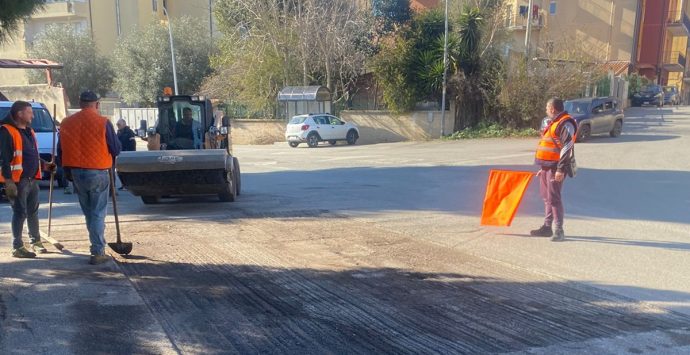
(351, 137)
(230, 190)
(238, 176)
(584, 133)
(332, 142)
(150, 200)
(617, 129)
(313, 140)
(293, 144)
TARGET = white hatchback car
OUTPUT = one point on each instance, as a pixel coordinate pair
(320, 127)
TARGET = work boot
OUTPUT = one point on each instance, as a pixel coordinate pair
(38, 247)
(543, 231)
(99, 259)
(559, 236)
(23, 253)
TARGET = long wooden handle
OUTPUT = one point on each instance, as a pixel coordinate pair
(112, 193)
(52, 173)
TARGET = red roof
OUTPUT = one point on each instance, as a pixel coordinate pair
(618, 67)
(29, 64)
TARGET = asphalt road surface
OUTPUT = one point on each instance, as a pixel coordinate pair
(378, 249)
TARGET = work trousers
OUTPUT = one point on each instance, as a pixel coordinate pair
(550, 191)
(92, 188)
(25, 208)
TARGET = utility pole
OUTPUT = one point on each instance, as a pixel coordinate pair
(445, 74)
(528, 32)
(172, 48)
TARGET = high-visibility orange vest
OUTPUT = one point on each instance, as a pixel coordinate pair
(83, 142)
(16, 164)
(549, 149)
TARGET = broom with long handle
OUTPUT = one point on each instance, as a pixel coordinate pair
(48, 237)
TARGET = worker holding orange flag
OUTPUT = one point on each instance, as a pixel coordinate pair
(555, 156)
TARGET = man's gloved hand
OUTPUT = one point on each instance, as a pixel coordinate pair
(10, 190)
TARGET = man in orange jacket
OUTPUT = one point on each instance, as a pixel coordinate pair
(21, 167)
(87, 149)
(553, 155)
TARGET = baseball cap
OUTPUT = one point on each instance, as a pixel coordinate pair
(88, 96)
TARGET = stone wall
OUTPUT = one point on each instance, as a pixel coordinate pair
(374, 127)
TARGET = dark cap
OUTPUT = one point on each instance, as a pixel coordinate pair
(88, 96)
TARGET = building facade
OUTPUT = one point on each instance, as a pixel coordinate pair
(662, 47)
(603, 30)
(649, 37)
(105, 20)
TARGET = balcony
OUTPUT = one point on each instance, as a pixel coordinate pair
(674, 61)
(678, 23)
(62, 10)
(519, 23)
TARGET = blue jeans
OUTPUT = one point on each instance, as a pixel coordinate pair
(25, 207)
(92, 188)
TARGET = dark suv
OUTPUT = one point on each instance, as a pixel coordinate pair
(596, 115)
(649, 95)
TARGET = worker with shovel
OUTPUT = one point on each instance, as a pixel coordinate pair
(21, 167)
(87, 149)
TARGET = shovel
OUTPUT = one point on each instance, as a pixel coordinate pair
(119, 247)
(48, 237)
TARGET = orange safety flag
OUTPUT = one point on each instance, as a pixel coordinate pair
(504, 191)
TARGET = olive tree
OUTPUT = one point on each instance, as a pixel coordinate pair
(83, 67)
(143, 65)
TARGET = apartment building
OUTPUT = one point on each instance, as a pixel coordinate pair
(105, 20)
(603, 29)
(662, 47)
(649, 37)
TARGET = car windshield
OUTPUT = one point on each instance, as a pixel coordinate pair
(298, 119)
(669, 89)
(41, 122)
(574, 107)
(179, 124)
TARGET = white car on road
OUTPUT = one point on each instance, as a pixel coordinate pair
(320, 127)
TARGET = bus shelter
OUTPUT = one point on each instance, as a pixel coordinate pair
(299, 100)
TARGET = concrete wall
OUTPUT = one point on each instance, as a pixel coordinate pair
(374, 127)
(258, 131)
(383, 127)
(42, 93)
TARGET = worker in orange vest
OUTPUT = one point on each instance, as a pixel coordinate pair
(554, 155)
(21, 168)
(87, 149)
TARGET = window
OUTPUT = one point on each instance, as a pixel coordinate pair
(42, 121)
(321, 120)
(154, 5)
(298, 119)
(608, 105)
(524, 10)
(335, 121)
(552, 7)
(598, 109)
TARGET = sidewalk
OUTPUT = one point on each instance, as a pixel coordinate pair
(59, 304)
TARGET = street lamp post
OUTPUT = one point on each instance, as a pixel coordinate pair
(445, 74)
(172, 49)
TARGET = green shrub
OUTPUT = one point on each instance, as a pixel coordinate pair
(492, 131)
